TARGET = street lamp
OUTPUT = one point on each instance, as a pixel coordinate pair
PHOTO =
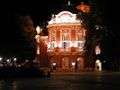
(37, 37)
(14, 61)
(1, 59)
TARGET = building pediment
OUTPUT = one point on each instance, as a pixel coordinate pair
(66, 14)
(64, 17)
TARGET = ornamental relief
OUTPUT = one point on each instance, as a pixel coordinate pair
(65, 27)
(65, 31)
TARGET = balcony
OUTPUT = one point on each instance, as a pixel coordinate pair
(80, 49)
(71, 50)
(65, 50)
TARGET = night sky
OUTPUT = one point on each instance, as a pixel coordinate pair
(11, 40)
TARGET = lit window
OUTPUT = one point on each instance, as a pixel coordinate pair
(65, 37)
(66, 44)
(78, 37)
(53, 37)
(97, 50)
(65, 18)
(80, 44)
(53, 45)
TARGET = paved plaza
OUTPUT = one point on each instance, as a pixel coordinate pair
(66, 81)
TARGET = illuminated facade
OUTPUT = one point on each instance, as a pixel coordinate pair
(64, 46)
(66, 39)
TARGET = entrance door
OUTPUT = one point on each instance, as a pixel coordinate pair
(98, 65)
(53, 64)
(80, 63)
(65, 63)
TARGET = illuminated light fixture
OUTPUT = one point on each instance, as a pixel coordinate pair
(37, 37)
(38, 30)
(104, 61)
(69, 3)
(1, 58)
(98, 65)
(8, 60)
(78, 59)
(54, 64)
(15, 59)
(97, 50)
(48, 45)
(27, 60)
(97, 27)
(38, 50)
(73, 63)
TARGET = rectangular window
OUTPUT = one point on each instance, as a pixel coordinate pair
(65, 37)
(53, 37)
(66, 44)
(53, 45)
(78, 37)
(80, 44)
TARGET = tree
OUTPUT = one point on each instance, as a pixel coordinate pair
(93, 22)
(28, 29)
(26, 32)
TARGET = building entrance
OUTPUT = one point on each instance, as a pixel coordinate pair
(53, 64)
(98, 65)
(80, 63)
(65, 63)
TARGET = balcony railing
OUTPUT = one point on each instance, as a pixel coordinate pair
(72, 49)
(65, 49)
(79, 49)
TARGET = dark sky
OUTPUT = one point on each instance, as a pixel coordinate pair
(11, 42)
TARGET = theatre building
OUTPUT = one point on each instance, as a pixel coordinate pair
(66, 39)
(63, 48)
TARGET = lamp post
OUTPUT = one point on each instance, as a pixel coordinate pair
(37, 37)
